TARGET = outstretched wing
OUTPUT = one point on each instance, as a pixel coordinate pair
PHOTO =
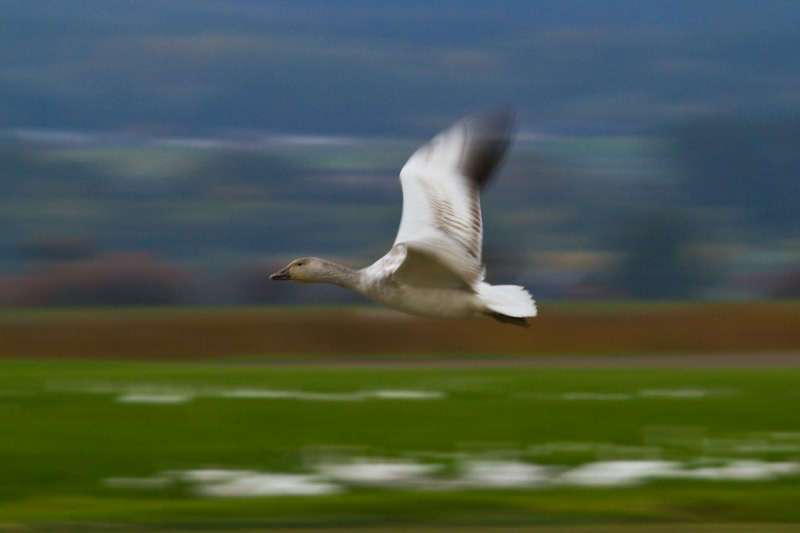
(441, 217)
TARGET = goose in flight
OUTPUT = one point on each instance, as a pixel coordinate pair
(434, 268)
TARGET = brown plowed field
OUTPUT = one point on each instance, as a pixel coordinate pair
(612, 330)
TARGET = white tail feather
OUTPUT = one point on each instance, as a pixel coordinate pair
(509, 300)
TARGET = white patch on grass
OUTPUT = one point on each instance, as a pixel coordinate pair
(209, 475)
(153, 393)
(153, 398)
(628, 473)
(254, 485)
(615, 473)
(470, 474)
(378, 473)
(270, 394)
(506, 475)
(596, 396)
(407, 395)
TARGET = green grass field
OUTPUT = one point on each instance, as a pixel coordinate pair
(245, 445)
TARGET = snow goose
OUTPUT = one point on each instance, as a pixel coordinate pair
(434, 268)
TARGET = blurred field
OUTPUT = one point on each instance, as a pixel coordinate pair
(173, 420)
(593, 329)
(165, 444)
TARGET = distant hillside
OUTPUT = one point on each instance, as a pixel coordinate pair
(703, 209)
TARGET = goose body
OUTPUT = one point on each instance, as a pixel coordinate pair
(434, 268)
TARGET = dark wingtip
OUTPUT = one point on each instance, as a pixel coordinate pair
(488, 137)
(517, 321)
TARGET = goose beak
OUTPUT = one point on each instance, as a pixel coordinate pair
(282, 274)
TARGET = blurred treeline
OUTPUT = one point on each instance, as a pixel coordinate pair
(701, 209)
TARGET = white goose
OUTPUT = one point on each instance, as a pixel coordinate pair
(434, 267)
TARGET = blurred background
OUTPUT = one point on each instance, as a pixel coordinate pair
(178, 152)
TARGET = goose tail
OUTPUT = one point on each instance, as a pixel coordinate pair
(508, 303)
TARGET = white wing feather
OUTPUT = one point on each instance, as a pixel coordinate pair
(441, 217)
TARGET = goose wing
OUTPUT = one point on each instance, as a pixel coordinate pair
(440, 224)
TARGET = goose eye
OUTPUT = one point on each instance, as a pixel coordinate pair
(299, 264)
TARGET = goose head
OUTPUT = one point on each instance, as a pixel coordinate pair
(303, 270)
